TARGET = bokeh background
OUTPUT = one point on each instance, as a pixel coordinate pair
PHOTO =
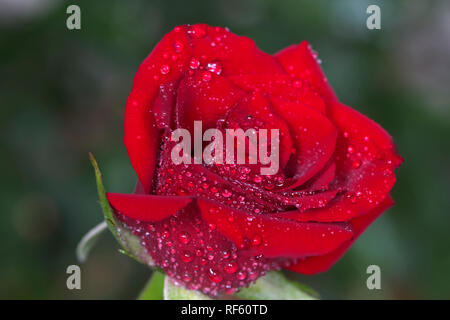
(63, 94)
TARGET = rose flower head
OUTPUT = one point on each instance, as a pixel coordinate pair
(218, 226)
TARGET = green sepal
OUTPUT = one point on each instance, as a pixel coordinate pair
(131, 244)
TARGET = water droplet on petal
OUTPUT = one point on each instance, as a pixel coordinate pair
(184, 238)
(214, 276)
(241, 275)
(178, 46)
(297, 84)
(356, 164)
(256, 240)
(226, 193)
(165, 69)
(187, 257)
(197, 32)
(206, 76)
(230, 267)
(257, 179)
(214, 67)
(212, 226)
(194, 63)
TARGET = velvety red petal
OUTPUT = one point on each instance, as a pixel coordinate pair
(314, 139)
(207, 101)
(365, 160)
(164, 104)
(300, 61)
(281, 87)
(274, 237)
(235, 54)
(207, 182)
(255, 112)
(146, 207)
(141, 134)
(317, 264)
(323, 179)
(304, 201)
(141, 140)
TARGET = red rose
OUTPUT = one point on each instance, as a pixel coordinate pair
(216, 228)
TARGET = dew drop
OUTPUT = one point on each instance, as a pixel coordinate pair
(212, 226)
(187, 257)
(186, 278)
(356, 164)
(178, 46)
(214, 67)
(214, 276)
(194, 63)
(206, 76)
(230, 267)
(184, 237)
(226, 193)
(197, 32)
(241, 275)
(256, 240)
(257, 179)
(165, 69)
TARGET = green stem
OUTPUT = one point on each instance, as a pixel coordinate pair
(153, 290)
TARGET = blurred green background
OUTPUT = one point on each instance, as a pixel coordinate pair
(63, 94)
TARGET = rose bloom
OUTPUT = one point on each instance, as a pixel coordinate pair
(216, 228)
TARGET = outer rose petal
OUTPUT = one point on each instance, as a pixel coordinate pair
(274, 237)
(236, 54)
(146, 207)
(282, 87)
(317, 264)
(365, 160)
(141, 134)
(300, 61)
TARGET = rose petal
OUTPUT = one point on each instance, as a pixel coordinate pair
(274, 237)
(207, 101)
(314, 139)
(255, 112)
(300, 61)
(201, 181)
(141, 141)
(312, 265)
(304, 201)
(147, 207)
(236, 54)
(164, 104)
(323, 179)
(365, 160)
(281, 87)
(141, 134)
